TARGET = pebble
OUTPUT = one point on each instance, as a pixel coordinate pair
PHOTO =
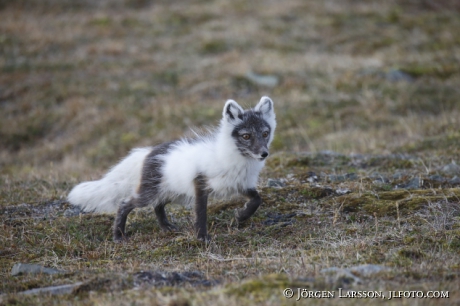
(71, 212)
(341, 278)
(342, 191)
(263, 80)
(53, 290)
(412, 184)
(345, 277)
(452, 169)
(396, 75)
(368, 270)
(275, 183)
(342, 178)
(379, 178)
(159, 278)
(24, 268)
(455, 180)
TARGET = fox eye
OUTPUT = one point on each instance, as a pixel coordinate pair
(265, 134)
(246, 136)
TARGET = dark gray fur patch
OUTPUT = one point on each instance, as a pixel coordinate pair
(254, 124)
(151, 174)
(148, 192)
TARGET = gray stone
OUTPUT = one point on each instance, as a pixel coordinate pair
(437, 178)
(336, 178)
(342, 178)
(351, 176)
(329, 153)
(452, 169)
(455, 180)
(396, 75)
(379, 178)
(263, 80)
(346, 277)
(312, 177)
(23, 268)
(341, 278)
(342, 191)
(368, 270)
(399, 175)
(412, 184)
(159, 279)
(71, 212)
(275, 183)
(54, 290)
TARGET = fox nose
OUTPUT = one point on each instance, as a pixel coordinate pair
(264, 154)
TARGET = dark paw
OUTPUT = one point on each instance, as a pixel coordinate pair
(204, 238)
(120, 238)
(168, 227)
(241, 215)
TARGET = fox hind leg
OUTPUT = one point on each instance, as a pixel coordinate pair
(120, 220)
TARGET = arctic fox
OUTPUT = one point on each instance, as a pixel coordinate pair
(225, 162)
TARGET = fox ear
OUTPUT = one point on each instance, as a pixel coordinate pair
(232, 111)
(265, 106)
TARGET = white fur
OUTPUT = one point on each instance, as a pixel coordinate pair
(227, 172)
(216, 157)
(119, 184)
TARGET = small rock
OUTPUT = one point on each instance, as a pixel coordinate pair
(263, 80)
(336, 178)
(280, 219)
(398, 175)
(368, 270)
(452, 169)
(342, 178)
(275, 183)
(54, 290)
(71, 212)
(412, 184)
(158, 279)
(312, 177)
(23, 268)
(342, 191)
(396, 75)
(436, 178)
(329, 153)
(340, 278)
(351, 176)
(379, 178)
(455, 180)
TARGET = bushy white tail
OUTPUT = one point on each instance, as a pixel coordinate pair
(119, 184)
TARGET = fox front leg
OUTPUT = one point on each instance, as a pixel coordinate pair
(201, 206)
(163, 219)
(249, 207)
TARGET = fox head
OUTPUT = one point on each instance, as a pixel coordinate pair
(252, 130)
